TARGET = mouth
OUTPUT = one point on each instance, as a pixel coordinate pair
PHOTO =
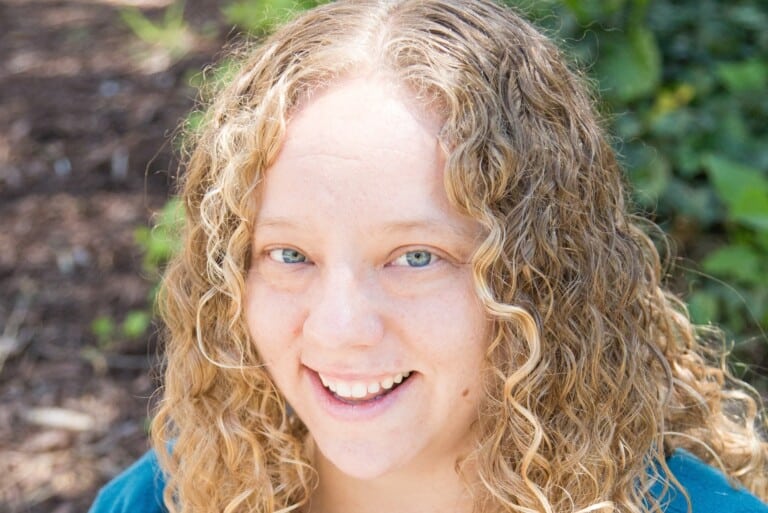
(354, 392)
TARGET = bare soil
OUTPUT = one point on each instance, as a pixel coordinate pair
(87, 110)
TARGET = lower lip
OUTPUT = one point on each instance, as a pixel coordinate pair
(356, 412)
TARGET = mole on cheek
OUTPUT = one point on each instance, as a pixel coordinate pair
(465, 392)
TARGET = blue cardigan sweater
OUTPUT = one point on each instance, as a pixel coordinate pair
(140, 489)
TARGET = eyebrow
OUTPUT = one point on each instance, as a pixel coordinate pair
(277, 222)
(393, 226)
(432, 225)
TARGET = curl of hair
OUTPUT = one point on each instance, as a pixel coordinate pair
(594, 371)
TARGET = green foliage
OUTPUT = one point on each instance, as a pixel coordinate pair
(103, 327)
(743, 190)
(158, 244)
(685, 84)
(161, 241)
(208, 82)
(262, 16)
(107, 331)
(212, 80)
(171, 33)
(629, 67)
(136, 324)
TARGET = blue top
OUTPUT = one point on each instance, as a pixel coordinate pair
(140, 489)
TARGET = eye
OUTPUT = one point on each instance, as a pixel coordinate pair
(416, 258)
(287, 256)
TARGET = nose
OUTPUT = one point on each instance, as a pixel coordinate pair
(342, 311)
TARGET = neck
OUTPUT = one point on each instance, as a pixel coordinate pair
(438, 488)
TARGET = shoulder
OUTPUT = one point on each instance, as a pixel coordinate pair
(138, 488)
(708, 488)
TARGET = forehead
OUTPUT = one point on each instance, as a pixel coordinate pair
(362, 148)
(363, 131)
(361, 110)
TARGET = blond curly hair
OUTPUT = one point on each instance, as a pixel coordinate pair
(596, 372)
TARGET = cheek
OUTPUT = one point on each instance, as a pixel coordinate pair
(450, 324)
(273, 317)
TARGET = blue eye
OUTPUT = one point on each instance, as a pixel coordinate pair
(416, 258)
(287, 256)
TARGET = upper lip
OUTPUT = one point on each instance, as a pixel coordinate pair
(346, 375)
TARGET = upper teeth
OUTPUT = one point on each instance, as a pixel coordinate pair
(358, 389)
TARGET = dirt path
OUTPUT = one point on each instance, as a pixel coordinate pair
(85, 111)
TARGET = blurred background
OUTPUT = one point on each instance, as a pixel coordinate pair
(92, 96)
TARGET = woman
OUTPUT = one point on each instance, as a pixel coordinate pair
(409, 281)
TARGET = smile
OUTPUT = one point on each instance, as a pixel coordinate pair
(362, 390)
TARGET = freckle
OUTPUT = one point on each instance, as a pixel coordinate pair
(465, 392)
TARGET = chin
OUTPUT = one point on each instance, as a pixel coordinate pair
(361, 462)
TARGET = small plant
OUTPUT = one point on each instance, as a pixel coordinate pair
(107, 331)
(158, 244)
(208, 82)
(172, 35)
(103, 327)
(162, 240)
(260, 17)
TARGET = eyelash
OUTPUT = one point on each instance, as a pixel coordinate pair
(279, 255)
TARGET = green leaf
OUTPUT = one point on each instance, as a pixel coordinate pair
(700, 77)
(750, 75)
(703, 307)
(736, 262)
(103, 327)
(212, 80)
(732, 134)
(649, 171)
(538, 10)
(261, 16)
(687, 158)
(743, 189)
(172, 33)
(161, 242)
(693, 201)
(172, 214)
(761, 238)
(136, 323)
(587, 11)
(673, 98)
(674, 124)
(627, 125)
(629, 66)
(194, 121)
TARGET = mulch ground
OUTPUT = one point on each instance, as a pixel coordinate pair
(86, 114)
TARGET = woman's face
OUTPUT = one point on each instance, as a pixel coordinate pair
(360, 298)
